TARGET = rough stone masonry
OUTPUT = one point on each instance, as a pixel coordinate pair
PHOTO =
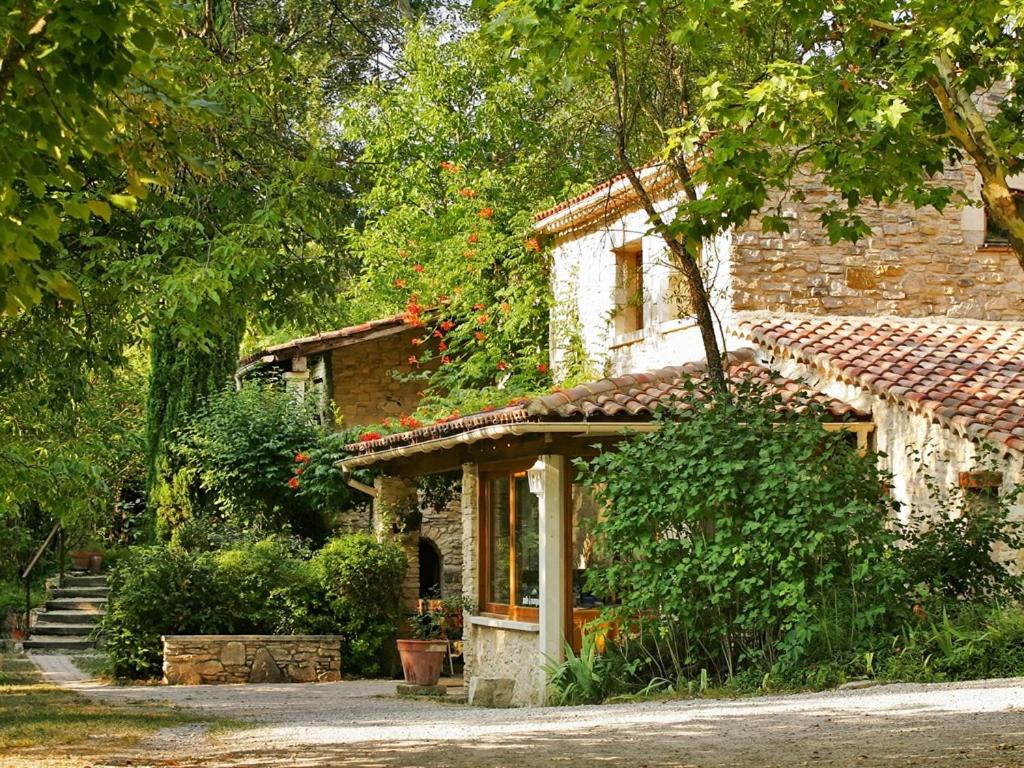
(212, 659)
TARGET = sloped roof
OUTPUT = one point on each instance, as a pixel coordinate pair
(970, 377)
(629, 398)
(611, 196)
(320, 342)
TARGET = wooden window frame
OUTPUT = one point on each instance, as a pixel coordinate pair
(629, 272)
(511, 611)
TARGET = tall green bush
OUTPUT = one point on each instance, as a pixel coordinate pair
(235, 458)
(362, 581)
(742, 534)
(155, 591)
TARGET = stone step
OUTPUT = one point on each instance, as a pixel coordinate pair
(59, 592)
(85, 604)
(82, 580)
(69, 617)
(46, 629)
(73, 643)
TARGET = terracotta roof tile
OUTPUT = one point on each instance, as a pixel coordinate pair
(323, 340)
(625, 398)
(969, 376)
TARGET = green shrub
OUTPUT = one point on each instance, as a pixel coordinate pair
(950, 557)
(267, 586)
(587, 678)
(155, 591)
(741, 535)
(234, 459)
(361, 578)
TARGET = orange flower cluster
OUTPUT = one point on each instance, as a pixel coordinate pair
(449, 166)
(417, 268)
(532, 244)
(467, 192)
(369, 437)
(473, 238)
(486, 213)
(409, 422)
(413, 312)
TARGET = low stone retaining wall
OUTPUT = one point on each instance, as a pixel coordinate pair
(204, 659)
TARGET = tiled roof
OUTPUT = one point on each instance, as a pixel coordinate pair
(323, 341)
(969, 377)
(628, 398)
(610, 196)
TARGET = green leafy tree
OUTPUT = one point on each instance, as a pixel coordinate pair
(459, 155)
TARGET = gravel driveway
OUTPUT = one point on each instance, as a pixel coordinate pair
(362, 724)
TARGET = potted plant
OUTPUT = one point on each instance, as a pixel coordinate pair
(423, 654)
(88, 557)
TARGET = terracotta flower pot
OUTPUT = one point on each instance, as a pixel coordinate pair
(422, 660)
(80, 559)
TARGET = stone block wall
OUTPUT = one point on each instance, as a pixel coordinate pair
(917, 262)
(212, 659)
(362, 387)
(507, 653)
(443, 526)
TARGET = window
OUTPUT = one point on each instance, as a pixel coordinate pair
(585, 515)
(629, 289)
(510, 560)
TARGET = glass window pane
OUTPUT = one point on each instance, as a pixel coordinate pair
(527, 544)
(585, 515)
(499, 544)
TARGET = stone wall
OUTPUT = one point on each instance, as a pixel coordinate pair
(443, 527)
(363, 389)
(916, 262)
(509, 653)
(206, 659)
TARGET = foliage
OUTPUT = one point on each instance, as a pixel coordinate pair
(269, 587)
(966, 552)
(72, 75)
(236, 456)
(587, 678)
(259, 586)
(876, 97)
(461, 155)
(980, 640)
(741, 533)
(362, 580)
(157, 591)
(68, 456)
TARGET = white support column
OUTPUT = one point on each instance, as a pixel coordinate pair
(552, 554)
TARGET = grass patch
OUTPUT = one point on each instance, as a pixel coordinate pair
(35, 715)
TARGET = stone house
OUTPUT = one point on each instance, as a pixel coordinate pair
(912, 339)
(356, 374)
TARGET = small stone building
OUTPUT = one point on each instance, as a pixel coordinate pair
(360, 376)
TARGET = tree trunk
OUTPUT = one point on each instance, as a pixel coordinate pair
(685, 254)
(968, 127)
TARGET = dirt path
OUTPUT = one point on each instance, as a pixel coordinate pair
(360, 724)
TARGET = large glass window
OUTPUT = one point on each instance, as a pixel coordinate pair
(511, 568)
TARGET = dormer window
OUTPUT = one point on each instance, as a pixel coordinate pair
(629, 289)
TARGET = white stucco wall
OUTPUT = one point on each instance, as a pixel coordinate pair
(584, 289)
